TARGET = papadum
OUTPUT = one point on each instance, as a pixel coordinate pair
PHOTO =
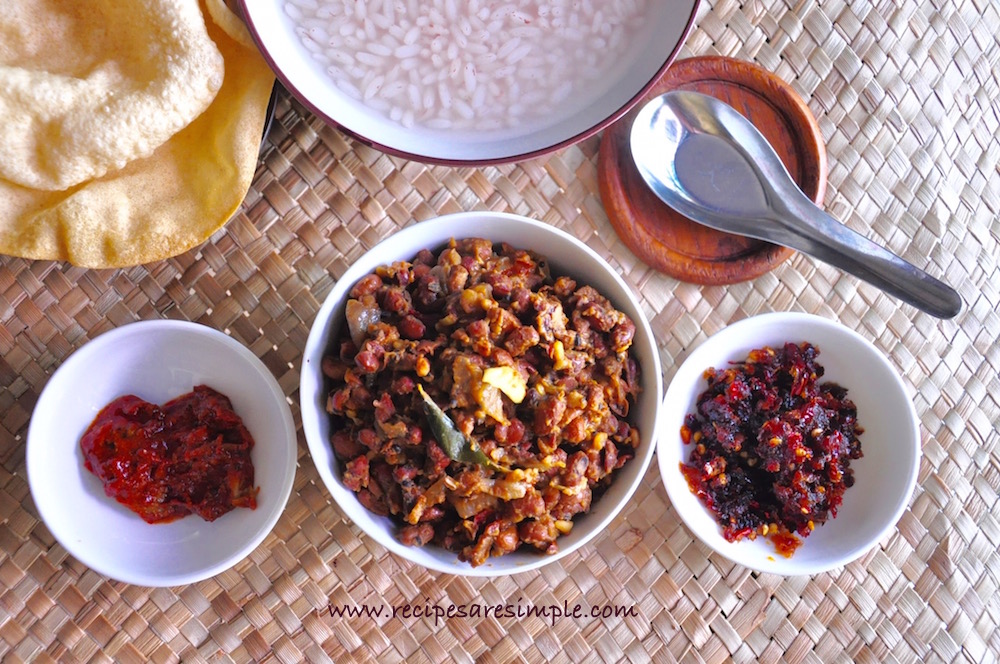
(143, 208)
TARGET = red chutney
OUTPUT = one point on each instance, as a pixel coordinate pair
(189, 456)
(772, 447)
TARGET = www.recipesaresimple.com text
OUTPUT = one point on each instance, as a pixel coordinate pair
(549, 612)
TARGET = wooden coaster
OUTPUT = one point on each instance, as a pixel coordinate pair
(669, 241)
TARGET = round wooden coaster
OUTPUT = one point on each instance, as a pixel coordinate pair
(672, 243)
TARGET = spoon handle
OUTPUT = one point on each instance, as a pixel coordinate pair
(811, 230)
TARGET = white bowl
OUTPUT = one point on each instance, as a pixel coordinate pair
(664, 29)
(566, 256)
(884, 476)
(156, 361)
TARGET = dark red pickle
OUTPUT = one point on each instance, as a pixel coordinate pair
(772, 446)
(189, 456)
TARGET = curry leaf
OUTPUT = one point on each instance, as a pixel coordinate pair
(455, 444)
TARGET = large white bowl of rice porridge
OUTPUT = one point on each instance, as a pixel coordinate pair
(469, 81)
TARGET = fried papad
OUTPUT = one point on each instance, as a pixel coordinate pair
(122, 79)
(157, 206)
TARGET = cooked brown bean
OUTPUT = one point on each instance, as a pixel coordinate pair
(410, 327)
(368, 285)
(417, 535)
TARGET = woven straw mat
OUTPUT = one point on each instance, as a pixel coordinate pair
(906, 96)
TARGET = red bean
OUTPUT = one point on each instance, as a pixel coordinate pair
(345, 445)
(367, 362)
(396, 300)
(410, 327)
(333, 368)
(366, 286)
(509, 434)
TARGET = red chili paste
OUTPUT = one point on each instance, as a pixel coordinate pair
(189, 456)
(772, 446)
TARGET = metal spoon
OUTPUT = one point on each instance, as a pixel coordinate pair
(708, 162)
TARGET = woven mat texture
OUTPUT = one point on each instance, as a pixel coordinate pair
(906, 94)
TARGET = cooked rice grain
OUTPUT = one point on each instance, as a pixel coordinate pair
(470, 64)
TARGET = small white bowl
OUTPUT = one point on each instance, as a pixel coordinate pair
(155, 360)
(630, 74)
(566, 256)
(884, 476)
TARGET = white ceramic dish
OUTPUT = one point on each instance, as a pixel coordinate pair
(566, 255)
(884, 476)
(667, 25)
(157, 361)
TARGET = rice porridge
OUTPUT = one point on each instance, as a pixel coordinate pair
(466, 64)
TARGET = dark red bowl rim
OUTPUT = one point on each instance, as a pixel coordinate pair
(587, 133)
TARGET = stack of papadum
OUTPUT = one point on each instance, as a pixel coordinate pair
(129, 130)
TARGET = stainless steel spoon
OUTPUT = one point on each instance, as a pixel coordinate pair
(708, 162)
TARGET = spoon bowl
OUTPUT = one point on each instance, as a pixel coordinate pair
(708, 162)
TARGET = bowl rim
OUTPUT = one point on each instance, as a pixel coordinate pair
(303, 98)
(670, 475)
(318, 340)
(98, 344)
